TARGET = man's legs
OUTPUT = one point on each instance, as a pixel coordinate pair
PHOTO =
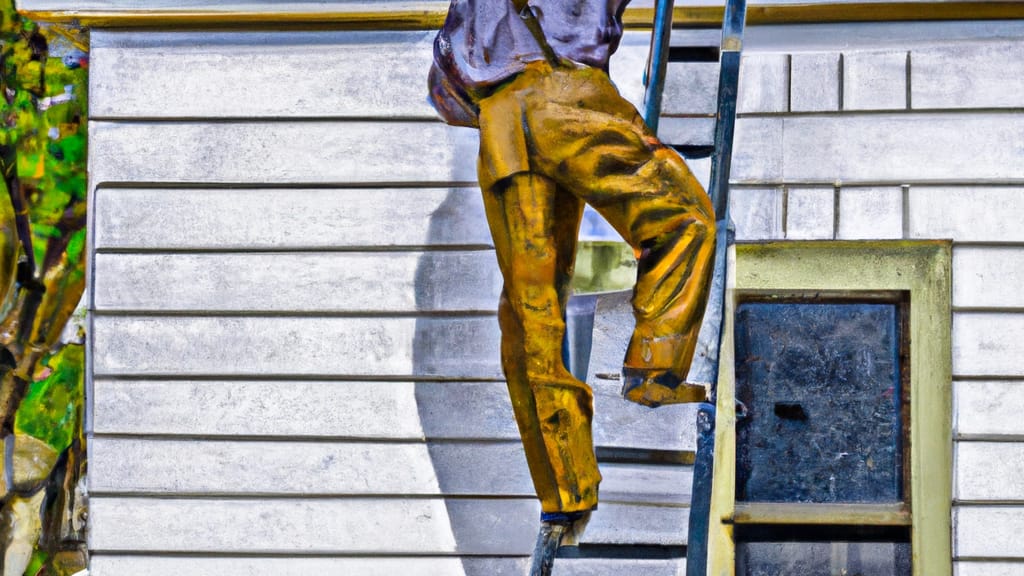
(534, 225)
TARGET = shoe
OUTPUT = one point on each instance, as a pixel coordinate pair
(556, 529)
(573, 525)
(653, 388)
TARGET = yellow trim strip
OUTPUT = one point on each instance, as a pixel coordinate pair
(721, 544)
(398, 20)
(821, 514)
(685, 16)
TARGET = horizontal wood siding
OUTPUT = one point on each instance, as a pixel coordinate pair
(918, 142)
(155, 565)
(348, 468)
(294, 339)
(294, 344)
(162, 219)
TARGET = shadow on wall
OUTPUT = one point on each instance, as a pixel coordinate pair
(461, 397)
(463, 404)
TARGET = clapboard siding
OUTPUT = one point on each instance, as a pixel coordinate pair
(875, 80)
(238, 468)
(104, 565)
(304, 409)
(311, 526)
(989, 214)
(814, 84)
(299, 282)
(979, 75)
(870, 213)
(139, 219)
(989, 409)
(130, 466)
(465, 348)
(337, 306)
(333, 153)
(988, 344)
(887, 147)
(764, 84)
(988, 277)
(985, 532)
(903, 147)
(244, 75)
(294, 75)
(357, 525)
(296, 152)
(289, 346)
(990, 471)
(921, 142)
(989, 568)
(155, 565)
(353, 410)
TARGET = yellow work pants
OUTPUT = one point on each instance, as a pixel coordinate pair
(550, 140)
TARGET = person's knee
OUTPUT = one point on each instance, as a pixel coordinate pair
(686, 226)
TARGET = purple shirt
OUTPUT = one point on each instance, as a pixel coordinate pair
(484, 42)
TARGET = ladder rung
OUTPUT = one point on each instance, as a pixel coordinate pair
(693, 54)
(694, 151)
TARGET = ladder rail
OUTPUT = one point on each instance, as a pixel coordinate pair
(721, 163)
(657, 62)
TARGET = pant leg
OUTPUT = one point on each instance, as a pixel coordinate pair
(590, 140)
(534, 225)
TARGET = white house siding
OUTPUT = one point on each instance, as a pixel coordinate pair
(293, 346)
(915, 139)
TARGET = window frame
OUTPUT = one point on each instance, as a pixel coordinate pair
(922, 271)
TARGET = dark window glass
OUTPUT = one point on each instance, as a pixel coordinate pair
(823, 559)
(821, 382)
(823, 551)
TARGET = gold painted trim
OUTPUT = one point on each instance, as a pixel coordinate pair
(398, 20)
(821, 514)
(721, 545)
(636, 18)
(920, 268)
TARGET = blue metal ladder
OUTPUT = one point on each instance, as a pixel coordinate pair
(733, 24)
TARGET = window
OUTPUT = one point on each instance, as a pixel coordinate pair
(840, 462)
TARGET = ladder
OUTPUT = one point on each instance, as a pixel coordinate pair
(706, 365)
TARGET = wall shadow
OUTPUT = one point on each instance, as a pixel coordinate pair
(462, 401)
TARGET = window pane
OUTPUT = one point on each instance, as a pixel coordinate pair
(822, 551)
(822, 386)
(823, 559)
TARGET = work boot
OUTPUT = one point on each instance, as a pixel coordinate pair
(656, 387)
(556, 529)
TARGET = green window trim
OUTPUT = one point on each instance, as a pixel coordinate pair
(922, 271)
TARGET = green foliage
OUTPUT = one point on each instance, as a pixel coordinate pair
(43, 109)
(39, 559)
(53, 405)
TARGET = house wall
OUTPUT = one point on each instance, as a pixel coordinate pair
(293, 346)
(913, 139)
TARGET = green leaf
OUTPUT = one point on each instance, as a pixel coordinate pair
(50, 411)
